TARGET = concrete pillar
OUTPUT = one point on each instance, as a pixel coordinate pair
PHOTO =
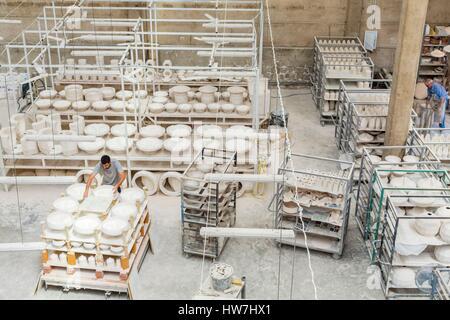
(407, 60)
(354, 17)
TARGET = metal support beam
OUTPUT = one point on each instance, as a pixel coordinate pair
(247, 233)
(34, 180)
(225, 177)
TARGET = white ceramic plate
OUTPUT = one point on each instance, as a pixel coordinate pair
(132, 195)
(66, 204)
(114, 227)
(124, 211)
(58, 221)
(118, 130)
(86, 225)
(149, 145)
(152, 131)
(92, 147)
(96, 129)
(179, 131)
(119, 144)
(76, 191)
(104, 191)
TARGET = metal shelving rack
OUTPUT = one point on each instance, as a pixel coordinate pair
(389, 258)
(323, 189)
(87, 30)
(429, 64)
(208, 204)
(372, 190)
(354, 108)
(332, 57)
(441, 284)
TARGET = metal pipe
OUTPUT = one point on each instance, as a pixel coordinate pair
(246, 233)
(228, 177)
(7, 21)
(221, 53)
(34, 180)
(59, 137)
(94, 53)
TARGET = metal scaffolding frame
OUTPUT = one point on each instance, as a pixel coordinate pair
(45, 46)
(231, 45)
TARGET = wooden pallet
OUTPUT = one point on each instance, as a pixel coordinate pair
(84, 279)
(71, 275)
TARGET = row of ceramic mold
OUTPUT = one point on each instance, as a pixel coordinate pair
(320, 181)
(358, 70)
(180, 99)
(437, 139)
(170, 183)
(101, 72)
(413, 238)
(148, 139)
(412, 175)
(368, 96)
(99, 226)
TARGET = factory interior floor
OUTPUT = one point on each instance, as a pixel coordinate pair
(168, 274)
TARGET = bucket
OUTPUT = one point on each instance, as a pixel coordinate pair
(276, 118)
(221, 274)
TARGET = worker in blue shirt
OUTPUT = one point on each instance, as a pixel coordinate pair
(437, 91)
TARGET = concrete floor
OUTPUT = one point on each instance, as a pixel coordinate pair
(167, 274)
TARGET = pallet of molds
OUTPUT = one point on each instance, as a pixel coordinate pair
(100, 262)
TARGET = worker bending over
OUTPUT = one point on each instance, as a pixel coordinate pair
(112, 173)
(437, 92)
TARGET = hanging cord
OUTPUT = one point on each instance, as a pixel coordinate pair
(288, 146)
(14, 160)
(222, 140)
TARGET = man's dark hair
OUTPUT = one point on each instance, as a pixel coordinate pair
(105, 159)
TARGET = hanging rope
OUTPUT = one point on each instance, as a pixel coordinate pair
(217, 120)
(288, 147)
(14, 159)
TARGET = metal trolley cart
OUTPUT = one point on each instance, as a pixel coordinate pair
(322, 188)
(211, 204)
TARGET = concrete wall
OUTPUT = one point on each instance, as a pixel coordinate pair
(295, 23)
(384, 56)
